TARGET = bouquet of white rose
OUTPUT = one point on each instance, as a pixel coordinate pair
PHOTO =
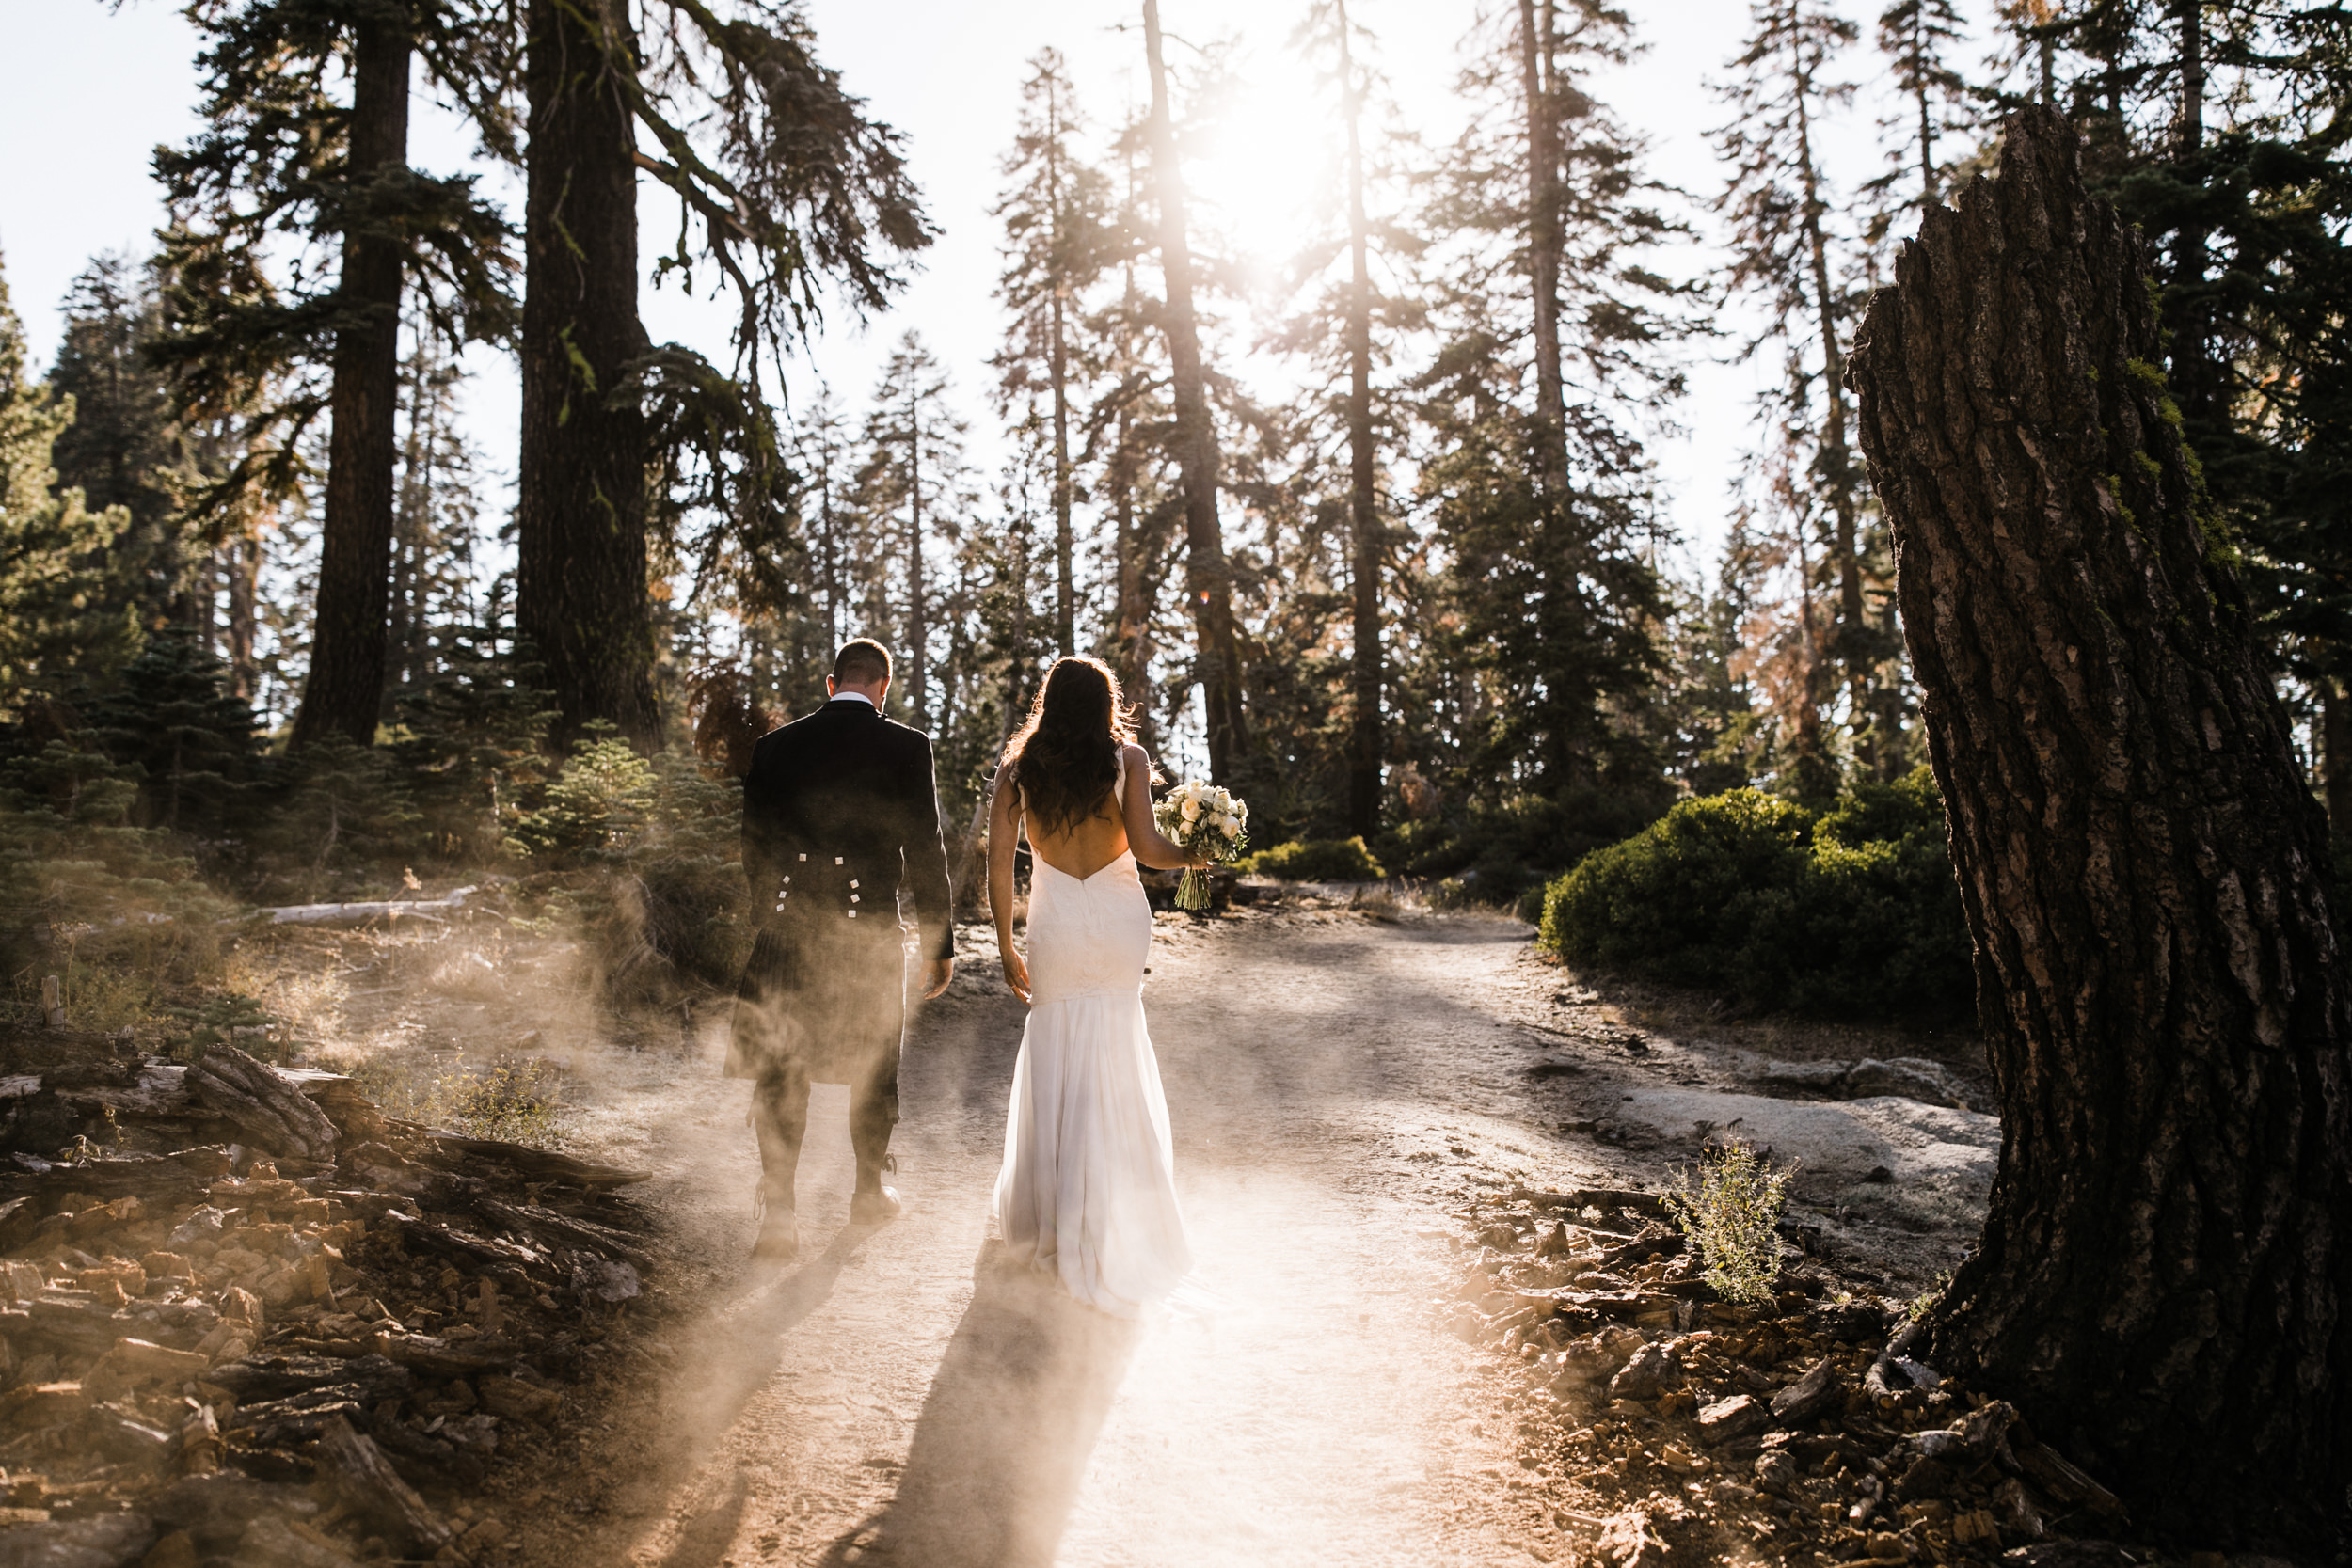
(1205, 820)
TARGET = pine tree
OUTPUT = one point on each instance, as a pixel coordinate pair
(820, 450)
(1786, 251)
(914, 492)
(1208, 575)
(1545, 507)
(1339, 330)
(282, 154)
(785, 189)
(1917, 37)
(123, 444)
(1128, 435)
(57, 614)
(1055, 214)
(436, 523)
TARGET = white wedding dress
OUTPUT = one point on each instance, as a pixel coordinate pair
(1088, 1192)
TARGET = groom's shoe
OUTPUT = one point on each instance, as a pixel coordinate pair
(779, 1236)
(876, 1207)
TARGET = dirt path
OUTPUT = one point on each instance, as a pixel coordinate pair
(1336, 1086)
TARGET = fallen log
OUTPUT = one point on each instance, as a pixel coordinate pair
(548, 1227)
(360, 913)
(538, 1164)
(263, 1103)
(365, 1481)
(264, 1377)
(463, 1246)
(28, 1050)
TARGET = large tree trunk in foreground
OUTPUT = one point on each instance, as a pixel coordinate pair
(2161, 1286)
(346, 684)
(580, 519)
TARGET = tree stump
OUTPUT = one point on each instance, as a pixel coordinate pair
(2161, 1286)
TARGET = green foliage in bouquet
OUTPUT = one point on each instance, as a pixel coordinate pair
(1854, 911)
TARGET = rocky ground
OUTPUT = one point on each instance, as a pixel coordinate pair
(1439, 1322)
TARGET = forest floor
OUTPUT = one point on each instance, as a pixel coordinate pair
(1348, 1086)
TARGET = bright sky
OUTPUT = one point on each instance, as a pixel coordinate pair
(91, 91)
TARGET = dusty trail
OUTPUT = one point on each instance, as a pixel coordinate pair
(1334, 1086)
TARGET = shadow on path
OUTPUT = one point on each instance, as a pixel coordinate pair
(736, 1351)
(1005, 1432)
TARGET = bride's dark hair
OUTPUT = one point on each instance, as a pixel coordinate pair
(1065, 760)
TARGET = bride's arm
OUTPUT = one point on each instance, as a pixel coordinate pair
(1152, 848)
(1004, 839)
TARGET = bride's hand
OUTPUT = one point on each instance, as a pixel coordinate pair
(1016, 972)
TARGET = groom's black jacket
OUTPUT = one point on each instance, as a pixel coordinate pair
(840, 817)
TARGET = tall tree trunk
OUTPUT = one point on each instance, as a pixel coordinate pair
(1837, 466)
(580, 519)
(2196, 379)
(1132, 643)
(345, 686)
(2335, 755)
(1057, 374)
(1926, 140)
(918, 620)
(1208, 577)
(1542, 232)
(244, 572)
(2162, 1286)
(404, 614)
(1363, 771)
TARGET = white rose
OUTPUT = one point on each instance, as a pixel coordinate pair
(1191, 809)
(1230, 825)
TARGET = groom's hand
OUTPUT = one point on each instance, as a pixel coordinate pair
(936, 973)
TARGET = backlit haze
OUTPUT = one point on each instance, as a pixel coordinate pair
(946, 75)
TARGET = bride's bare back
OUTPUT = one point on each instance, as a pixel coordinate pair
(1079, 851)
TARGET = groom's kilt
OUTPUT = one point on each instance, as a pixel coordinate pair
(826, 995)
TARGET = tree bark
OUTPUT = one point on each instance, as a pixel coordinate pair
(244, 572)
(2196, 381)
(1058, 369)
(1363, 783)
(1543, 234)
(2161, 1286)
(580, 519)
(1132, 642)
(918, 621)
(1208, 577)
(1837, 469)
(2335, 755)
(346, 684)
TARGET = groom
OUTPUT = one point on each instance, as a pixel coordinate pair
(839, 815)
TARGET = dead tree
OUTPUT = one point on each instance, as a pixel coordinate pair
(2160, 1285)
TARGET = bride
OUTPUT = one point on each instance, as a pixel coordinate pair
(1088, 1192)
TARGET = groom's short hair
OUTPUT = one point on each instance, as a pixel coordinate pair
(862, 661)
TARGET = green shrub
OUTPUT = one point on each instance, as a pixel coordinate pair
(1494, 853)
(1854, 911)
(604, 795)
(1316, 859)
(1731, 1217)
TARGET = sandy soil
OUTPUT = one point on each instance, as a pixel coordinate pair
(1341, 1090)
